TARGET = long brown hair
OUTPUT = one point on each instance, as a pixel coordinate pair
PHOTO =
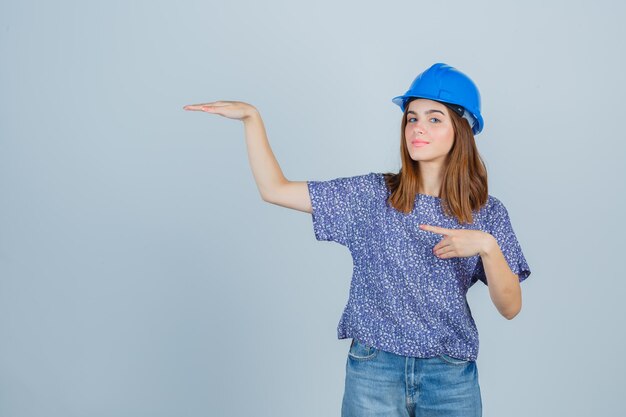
(464, 186)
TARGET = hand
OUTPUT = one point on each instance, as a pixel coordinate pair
(231, 109)
(460, 243)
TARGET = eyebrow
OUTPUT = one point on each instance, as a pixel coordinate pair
(427, 111)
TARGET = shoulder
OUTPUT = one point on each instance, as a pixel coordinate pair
(362, 181)
(368, 183)
(345, 186)
(376, 177)
(495, 205)
(497, 213)
(364, 186)
(360, 178)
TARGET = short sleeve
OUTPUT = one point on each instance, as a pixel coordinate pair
(336, 206)
(499, 225)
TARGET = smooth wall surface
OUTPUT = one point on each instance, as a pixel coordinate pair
(141, 274)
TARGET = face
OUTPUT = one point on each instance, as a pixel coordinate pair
(428, 121)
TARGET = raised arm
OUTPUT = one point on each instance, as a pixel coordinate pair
(272, 184)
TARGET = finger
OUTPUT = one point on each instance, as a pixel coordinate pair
(216, 104)
(193, 107)
(446, 253)
(212, 109)
(439, 244)
(441, 247)
(435, 229)
(442, 244)
(219, 103)
(198, 107)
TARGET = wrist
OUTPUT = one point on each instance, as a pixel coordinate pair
(252, 114)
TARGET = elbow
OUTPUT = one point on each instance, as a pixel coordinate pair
(511, 310)
(511, 314)
(514, 306)
(265, 196)
(272, 193)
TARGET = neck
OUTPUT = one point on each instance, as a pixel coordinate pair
(431, 178)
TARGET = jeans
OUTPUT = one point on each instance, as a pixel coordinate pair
(380, 383)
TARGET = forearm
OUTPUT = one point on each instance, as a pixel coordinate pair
(265, 168)
(503, 284)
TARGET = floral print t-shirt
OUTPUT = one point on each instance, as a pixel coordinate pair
(403, 299)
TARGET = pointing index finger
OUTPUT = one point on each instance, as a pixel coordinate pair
(434, 229)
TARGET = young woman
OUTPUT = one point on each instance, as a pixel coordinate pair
(419, 238)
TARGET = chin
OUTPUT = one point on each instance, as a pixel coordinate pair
(418, 157)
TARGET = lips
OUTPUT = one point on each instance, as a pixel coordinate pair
(419, 142)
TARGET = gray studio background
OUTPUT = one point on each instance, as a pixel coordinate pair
(141, 274)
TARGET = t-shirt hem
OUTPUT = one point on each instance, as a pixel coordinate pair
(416, 354)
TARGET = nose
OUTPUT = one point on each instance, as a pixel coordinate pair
(418, 127)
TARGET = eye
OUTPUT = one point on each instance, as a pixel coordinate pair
(432, 118)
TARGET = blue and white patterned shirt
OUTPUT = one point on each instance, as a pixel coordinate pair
(403, 299)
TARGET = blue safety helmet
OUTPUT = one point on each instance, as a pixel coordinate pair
(451, 87)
